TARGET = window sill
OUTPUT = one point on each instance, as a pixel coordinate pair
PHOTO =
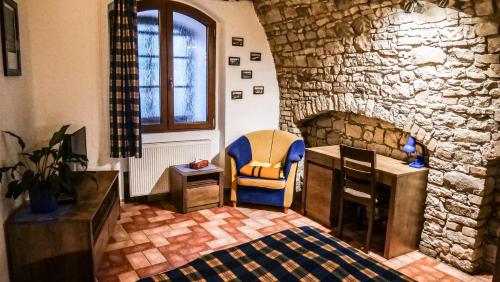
(176, 136)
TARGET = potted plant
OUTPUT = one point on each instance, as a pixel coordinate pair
(44, 173)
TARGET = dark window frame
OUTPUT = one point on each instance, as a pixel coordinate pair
(166, 9)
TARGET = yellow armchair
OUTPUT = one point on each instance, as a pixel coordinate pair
(269, 149)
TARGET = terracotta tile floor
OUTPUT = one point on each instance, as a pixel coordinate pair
(151, 238)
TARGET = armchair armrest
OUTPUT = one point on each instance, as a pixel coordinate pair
(241, 151)
(295, 154)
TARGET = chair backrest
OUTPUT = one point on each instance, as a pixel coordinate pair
(270, 146)
(357, 167)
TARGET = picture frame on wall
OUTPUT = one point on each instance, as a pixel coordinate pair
(236, 95)
(238, 41)
(255, 56)
(258, 90)
(246, 74)
(234, 61)
(9, 30)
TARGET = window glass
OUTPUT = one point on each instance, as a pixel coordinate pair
(190, 61)
(149, 66)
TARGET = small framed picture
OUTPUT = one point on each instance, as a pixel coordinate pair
(258, 90)
(255, 56)
(234, 61)
(9, 29)
(246, 74)
(236, 95)
(238, 41)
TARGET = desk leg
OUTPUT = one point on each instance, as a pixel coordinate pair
(405, 217)
(304, 187)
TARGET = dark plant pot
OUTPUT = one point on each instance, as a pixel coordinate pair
(43, 202)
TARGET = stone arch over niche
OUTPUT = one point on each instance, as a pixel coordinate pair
(401, 119)
(434, 73)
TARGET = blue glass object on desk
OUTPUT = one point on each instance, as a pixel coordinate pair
(411, 147)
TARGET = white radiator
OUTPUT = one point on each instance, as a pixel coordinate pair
(150, 174)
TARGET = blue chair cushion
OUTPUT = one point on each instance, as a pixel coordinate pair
(241, 152)
(295, 154)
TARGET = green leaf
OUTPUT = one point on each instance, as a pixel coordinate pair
(14, 168)
(11, 188)
(58, 137)
(62, 184)
(19, 139)
(36, 156)
(4, 170)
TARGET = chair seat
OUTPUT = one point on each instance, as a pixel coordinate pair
(357, 193)
(261, 182)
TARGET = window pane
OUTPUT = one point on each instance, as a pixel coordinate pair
(149, 66)
(190, 69)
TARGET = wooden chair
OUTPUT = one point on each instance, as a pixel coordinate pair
(358, 184)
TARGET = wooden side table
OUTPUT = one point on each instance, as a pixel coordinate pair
(192, 189)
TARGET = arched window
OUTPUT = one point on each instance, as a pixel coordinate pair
(176, 67)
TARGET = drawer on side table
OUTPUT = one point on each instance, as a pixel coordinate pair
(204, 195)
(193, 190)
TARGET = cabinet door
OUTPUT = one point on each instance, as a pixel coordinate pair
(319, 193)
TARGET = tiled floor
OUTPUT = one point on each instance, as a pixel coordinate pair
(150, 239)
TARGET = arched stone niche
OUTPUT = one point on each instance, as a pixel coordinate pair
(356, 130)
(434, 74)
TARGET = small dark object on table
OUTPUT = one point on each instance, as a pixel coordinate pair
(198, 164)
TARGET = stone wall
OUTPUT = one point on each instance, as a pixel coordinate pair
(355, 130)
(434, 74)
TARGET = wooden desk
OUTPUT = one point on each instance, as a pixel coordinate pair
(406, 208)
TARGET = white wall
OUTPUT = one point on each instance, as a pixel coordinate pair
(65, 81)
(15, 115)
(70, 54)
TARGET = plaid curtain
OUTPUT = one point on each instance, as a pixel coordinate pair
(125, 107)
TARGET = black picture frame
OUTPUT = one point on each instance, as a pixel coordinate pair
(258, 90)
(238, 41)
(255, 56)
(9, 29)
(246, 74)
(236, 95)
(234, 61)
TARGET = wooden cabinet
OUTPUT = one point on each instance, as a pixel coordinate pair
(496, 273)
(319, 193)
(68, 244)
(407, 186)
(192, 190)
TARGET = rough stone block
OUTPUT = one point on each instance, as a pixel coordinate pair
(436, 177)
(460, 238)
(465, 183)
(354, 131)
(362, 43)
(453, 226)
(324, 122)
(466, 253)
(484, 7)
(488, 58)
(462, 209)
(486, 28)
(391, 138)
(339, 125)
(471, 136)
(429, 55)
(494, 45)
(378, 136)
